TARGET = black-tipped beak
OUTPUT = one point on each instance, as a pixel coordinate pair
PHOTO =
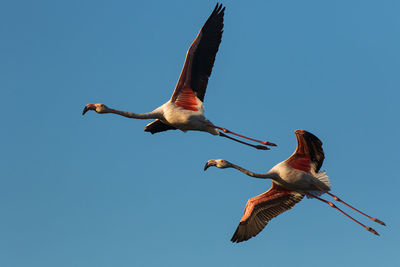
(89, 107)
(85, 110)
(209, 164)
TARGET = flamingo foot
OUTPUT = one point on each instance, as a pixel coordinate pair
(372, 230)
(378, 221)
(268, 143)
(262, 147)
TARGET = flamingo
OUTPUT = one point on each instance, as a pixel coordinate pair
(293, 178)
(185, 111)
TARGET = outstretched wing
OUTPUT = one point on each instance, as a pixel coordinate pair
(192, 83)
(261, 209)
(158, 126)
(309, 155)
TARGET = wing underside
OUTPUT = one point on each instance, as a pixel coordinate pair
(309, 155)
(200, 61)
(261, 209)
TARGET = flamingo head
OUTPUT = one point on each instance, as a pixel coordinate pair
(99, 108)
(219, 163)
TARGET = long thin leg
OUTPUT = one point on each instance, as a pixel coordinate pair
(248, 138)
(234, 139)
(333, 206)
(348, 205)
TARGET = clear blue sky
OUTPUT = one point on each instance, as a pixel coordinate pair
(98, 191)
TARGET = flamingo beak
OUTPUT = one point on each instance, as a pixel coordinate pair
(210, 163)
(88, 107)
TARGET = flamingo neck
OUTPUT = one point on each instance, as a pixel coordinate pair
(252, 174)
(155, 114)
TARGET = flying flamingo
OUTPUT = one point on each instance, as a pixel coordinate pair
(293, 178)
(185, 111)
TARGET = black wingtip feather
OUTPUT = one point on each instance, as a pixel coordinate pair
(316, 151)
(204, 56)
(158, 126)
(242, 233)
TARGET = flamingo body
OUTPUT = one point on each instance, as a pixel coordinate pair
(185, 119)
(295, 179)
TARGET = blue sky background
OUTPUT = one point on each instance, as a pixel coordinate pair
(98, 191)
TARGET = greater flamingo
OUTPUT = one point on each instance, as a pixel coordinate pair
(184, 111)
(293, 178)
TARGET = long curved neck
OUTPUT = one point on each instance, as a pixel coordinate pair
(252, 174)
(155, 114)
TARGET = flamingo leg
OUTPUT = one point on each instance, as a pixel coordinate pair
(333, 206)
(245, 137)
(234, 139)
(348, 205)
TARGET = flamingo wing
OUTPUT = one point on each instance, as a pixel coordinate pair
(262, 208)
(192, 83)
(158, 126)
(309, 155)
